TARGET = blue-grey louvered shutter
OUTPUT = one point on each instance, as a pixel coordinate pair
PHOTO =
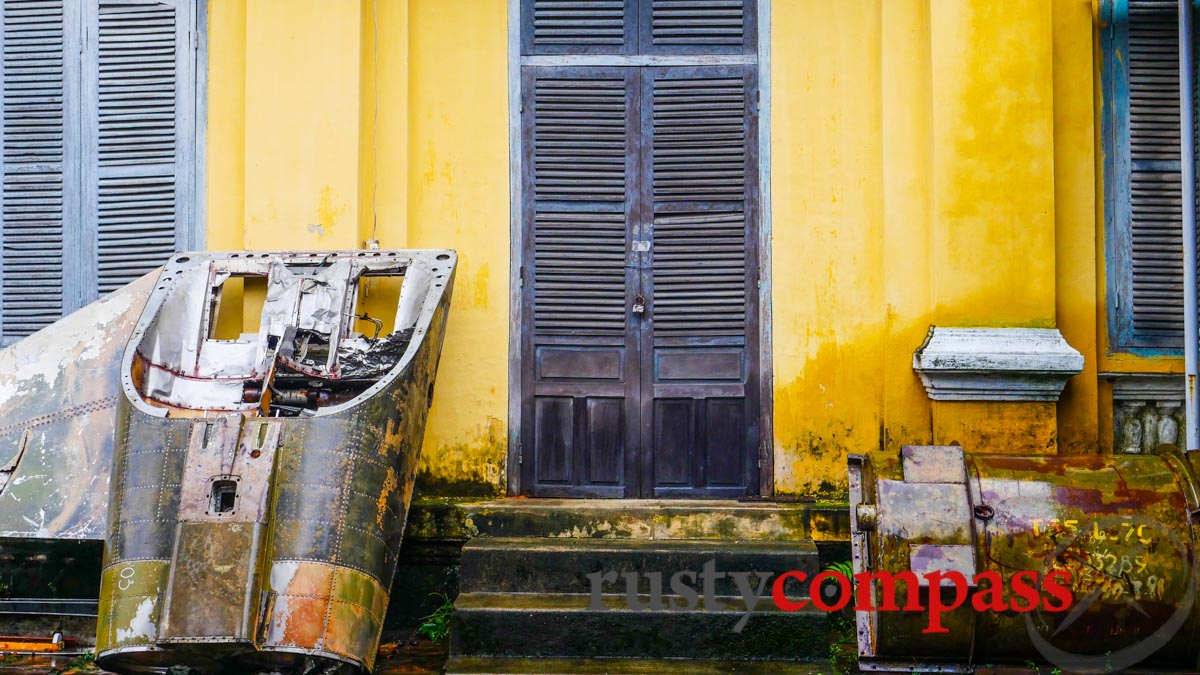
(140, 93)
(34, 76)
(1156, 216)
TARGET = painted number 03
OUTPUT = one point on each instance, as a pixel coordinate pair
(126, 579)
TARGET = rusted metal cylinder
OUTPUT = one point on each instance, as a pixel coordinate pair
(1121, 526)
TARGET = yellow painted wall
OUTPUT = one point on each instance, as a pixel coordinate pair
(458, 198)
(331, 123)
(932, 163)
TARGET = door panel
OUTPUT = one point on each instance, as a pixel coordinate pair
(701, 197)
(674, 442)
(605, 437)
(725, 427)
(578, 169)
(554, 424)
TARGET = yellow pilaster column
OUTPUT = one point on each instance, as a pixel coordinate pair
(303, 98)
(1075, 216)
(993, 163)
(907, 167)
(226, 124)
(993, 228)
(384, 122)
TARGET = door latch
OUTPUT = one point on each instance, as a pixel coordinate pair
(639, 305)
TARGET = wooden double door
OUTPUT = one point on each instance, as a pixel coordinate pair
(640, 281)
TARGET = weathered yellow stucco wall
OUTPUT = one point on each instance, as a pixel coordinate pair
(932, 163)
(334, 122)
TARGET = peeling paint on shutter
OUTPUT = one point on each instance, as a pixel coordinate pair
(33, 113)
(1155, 190)
(142, 101)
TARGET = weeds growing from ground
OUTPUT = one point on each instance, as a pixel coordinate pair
(436, 626)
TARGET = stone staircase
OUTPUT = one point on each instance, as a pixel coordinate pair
(525, 603)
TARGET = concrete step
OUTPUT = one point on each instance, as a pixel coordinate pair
(528, 625)
(517, 666)
(638, 519)
(562, 565)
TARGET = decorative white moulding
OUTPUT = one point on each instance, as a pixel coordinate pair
(995, 364)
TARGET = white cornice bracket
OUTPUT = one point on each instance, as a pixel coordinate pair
(995, 364)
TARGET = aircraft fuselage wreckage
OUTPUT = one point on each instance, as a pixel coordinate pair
(251, 488)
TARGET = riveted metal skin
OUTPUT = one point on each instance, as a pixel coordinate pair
(59, 390)
(1121, 525)
(239, 541)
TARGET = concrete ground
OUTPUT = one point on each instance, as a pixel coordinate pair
(426, 658)
(417, 656)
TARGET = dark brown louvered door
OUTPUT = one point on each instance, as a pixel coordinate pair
(639, 282)
(699, 392)
(581, 348)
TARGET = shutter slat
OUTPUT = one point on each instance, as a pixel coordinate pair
(698, 154)
(700, 274)
(579, 273)
(699, 126)
(579, 146)
(137, 83)
(581, 23)
(698, 23)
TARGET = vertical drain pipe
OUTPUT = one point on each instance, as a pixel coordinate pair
(1191, 340)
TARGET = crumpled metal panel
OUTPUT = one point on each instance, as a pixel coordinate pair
(297, 563)
(58, 396)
